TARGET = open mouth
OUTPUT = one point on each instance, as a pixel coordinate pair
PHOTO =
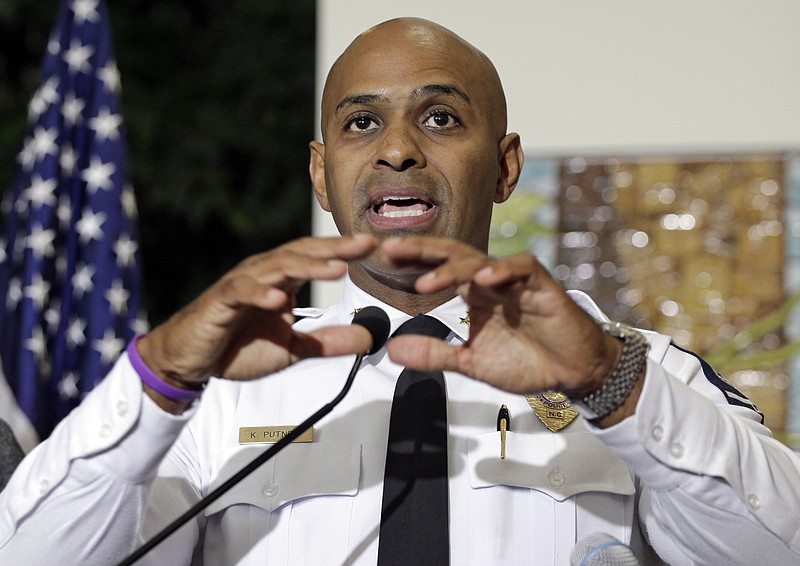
(401, 207)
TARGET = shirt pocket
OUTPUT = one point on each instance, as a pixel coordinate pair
(299, 471)
(560, 465)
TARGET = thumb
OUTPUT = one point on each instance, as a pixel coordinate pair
(335, 341)
(424, 353)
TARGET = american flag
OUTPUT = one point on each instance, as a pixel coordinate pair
(69, 274)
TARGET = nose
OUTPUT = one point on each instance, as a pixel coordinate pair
(399, 149)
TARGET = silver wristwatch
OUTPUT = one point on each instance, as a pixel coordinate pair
(618, 385)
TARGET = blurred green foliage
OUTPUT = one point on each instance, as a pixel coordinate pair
(218, 102)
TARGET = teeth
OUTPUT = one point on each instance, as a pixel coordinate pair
(403, 213)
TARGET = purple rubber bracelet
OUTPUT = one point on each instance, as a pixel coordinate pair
(151, 379)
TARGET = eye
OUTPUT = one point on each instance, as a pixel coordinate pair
(440, 120)
(360, 123)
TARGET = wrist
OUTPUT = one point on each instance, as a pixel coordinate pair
(172, 394)
(623, 379)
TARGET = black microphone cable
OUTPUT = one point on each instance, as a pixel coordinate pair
(376, 321)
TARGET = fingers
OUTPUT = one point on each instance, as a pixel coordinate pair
(429, 354)
(241, 326)
(306, 259)
(331, 341)
(453, 263)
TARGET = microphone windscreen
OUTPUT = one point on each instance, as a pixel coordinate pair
(376, 321)
(601, 549)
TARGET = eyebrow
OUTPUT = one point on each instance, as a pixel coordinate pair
(417, 93)
(449, 90)
(359, 99)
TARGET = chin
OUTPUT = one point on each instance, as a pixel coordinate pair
(397, 277)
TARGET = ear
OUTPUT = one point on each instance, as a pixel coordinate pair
(316, 169)
(511, 161)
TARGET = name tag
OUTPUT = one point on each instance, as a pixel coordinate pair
(271, 434)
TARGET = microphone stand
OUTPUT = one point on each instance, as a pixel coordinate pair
(244, 472)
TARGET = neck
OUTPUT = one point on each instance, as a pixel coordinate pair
(397, 289)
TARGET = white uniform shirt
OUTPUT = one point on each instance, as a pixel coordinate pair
(700, 474)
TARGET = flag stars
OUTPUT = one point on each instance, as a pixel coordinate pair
(98, 175)
(129, 201)
(40, 242)
(76, 332)
(37, 343)
(77, 57)
(109, 346)
(53, 45)
(71, 193)
(125, 248)
(139, 325)
(26, 157)
(68, 387)
(14, 295)
(89, 227)
(117, 296)
(53, 316)
(82, 280)
(38, 291)
(110, 77)
(72, 108)
(40, 193)
(46, 95)
(67, 159)
(37, 146)
(106, 125)
(85, 11)
(44, 142)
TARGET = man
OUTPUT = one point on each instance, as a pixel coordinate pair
(415, 152)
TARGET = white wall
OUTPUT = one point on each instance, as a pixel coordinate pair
(618, 76)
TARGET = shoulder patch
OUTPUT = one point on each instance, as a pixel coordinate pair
(732, 395)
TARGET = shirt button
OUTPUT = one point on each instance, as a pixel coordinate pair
(105, 431)
(122, 408)
(44, 485)
(270, 490)
(556, 479)
(657, 433)
(676, 450)
(753, 502)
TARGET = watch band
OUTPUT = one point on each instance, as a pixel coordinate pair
(618, 385)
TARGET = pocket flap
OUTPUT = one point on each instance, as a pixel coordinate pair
(300, 470)
(560, 465)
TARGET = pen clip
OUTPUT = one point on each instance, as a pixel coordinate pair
(503, 415)
(503, 425)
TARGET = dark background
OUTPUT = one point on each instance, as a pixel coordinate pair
(218, 103)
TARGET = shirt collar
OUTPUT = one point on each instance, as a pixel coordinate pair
(453, 313)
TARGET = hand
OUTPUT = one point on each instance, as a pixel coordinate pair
(526, 334)
(240, 328)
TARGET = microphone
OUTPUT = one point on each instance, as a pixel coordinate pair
(376, 321)
(601, 549)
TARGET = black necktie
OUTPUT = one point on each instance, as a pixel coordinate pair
(414, 517)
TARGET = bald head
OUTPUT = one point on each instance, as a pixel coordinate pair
(399, 39)
(415, 143)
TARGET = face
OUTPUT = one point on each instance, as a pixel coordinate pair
(414, 137)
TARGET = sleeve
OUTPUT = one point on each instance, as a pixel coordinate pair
(83, 492)
(715, 486)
